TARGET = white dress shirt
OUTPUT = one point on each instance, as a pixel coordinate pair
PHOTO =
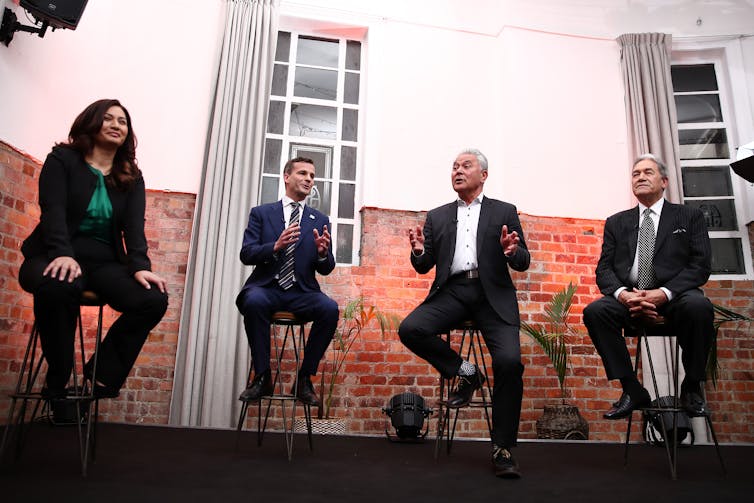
(467, 223)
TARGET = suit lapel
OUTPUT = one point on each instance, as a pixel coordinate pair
(632, 225)
(667, 218)
(277, 218)
(451, 217)
(484, 218)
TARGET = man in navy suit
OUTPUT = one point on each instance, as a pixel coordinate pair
(680, 264)
(288, 242)
(472, 242)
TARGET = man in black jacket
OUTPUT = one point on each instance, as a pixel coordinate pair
(472, 242)
(655, 257)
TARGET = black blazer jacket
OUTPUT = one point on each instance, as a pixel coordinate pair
(66, 186)
(439, 249)
(682, 257)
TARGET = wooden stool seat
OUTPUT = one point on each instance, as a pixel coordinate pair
(81, 393)
(287, 323)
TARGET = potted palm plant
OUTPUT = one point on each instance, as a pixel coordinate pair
(561, 420)
(355, 317)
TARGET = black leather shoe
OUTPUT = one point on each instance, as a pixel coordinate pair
(259, 387)
(104, 391)
(504, 464)
(467, 385)
(305, 391)
(694, 404)
(626, 405)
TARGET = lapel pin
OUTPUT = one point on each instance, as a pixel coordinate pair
(311, 216)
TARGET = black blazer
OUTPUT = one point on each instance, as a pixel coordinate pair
(266, 223)
(440, 243)
(66, 186)
(682, 257)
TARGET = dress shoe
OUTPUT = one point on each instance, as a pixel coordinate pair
(626, 405)
(259, 387)
(305, 391)
(467, 385)
(694, 404)
(105, 391)
(504, 464)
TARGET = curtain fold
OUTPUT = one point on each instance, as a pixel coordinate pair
(212, 357)
(650, 106)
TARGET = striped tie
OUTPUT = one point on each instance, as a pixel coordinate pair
(285, 278)
(646, 247)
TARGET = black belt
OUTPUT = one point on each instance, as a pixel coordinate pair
(470, 274)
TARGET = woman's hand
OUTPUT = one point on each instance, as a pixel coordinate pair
(63, 268)
(145, 278)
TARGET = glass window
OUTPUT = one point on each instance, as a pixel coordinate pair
(700, 181)
(689, 78)
(698, 108)
(317, 52)
(719, 214)
(314, 113)
(703, 144)
(727, 256)
(315, 83)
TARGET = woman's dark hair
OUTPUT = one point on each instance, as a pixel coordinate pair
(85, 128)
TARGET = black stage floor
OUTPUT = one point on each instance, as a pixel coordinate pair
(150, 463)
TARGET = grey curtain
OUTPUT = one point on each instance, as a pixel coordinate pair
(212, 358)
(650, 107)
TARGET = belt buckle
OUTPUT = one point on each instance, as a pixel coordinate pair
(472, 274)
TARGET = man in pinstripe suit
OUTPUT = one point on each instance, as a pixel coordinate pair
(679, 263)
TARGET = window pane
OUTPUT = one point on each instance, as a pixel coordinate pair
(727, 256)
(350, 124)
(272, 150)
(346, 200)
(353, 55)
(315, 83)
(703, 144)
(313, 121)
(269, 189)
(698, 108)
(344, 247)
(321, 155)
(351, 94)
(321, 196)
(720, 214)
(275, 117)
(689, 78)
(279, 80)
(317, 52)
(283, 48)
(707, 181)
(348, 163)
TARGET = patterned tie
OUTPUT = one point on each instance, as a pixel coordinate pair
(285, 278)
(646, 246)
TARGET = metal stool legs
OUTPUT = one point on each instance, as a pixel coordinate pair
(671, 451)
(296, 340)
(27, 392)
(471, 350)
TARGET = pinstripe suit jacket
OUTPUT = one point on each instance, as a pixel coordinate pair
(682, 257)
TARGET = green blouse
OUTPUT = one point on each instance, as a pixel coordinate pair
(99, 214)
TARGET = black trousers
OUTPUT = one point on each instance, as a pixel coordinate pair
(56, 308)
(689, 316)
(463, 299)
(258, 304)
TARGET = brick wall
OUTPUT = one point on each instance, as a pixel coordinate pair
(563, 250)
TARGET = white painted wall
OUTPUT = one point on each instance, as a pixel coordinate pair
(535, 85)
(157, 57)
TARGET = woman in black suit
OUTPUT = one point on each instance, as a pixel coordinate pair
(91, 236)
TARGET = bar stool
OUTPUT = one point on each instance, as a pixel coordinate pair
(285, 325)
(470, 349)
(643, 332)
(28, 392)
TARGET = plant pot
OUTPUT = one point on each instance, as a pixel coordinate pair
(332, 426)
(562, 422)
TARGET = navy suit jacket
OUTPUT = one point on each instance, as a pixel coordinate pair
(266, 223)
(440, 244)
(682, 257)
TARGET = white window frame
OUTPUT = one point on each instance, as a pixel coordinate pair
(732, 89)
(335, 144)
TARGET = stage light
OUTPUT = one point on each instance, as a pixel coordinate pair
(407, 414)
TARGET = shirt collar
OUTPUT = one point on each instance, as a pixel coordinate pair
(287, 201)
(476, 200)
(656, 207)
